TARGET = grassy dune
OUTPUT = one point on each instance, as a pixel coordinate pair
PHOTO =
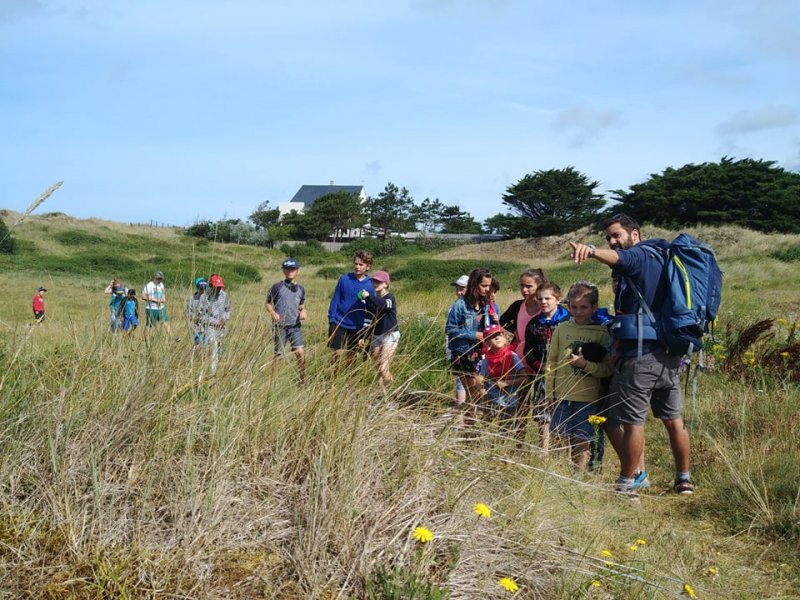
(128, 472)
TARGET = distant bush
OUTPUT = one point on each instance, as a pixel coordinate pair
(229, 231)
(787, 254)
(430, 273)
(432, 244)
(7, 243)
(309, 250)
(246, 273)
(380, 248)
(76, 237)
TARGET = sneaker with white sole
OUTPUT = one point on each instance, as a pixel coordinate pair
(684, 487)
(640, 481)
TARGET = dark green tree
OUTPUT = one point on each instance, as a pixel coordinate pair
(427, 215)
(752, 193)
(454, 220)
(391, 211)
(8, 244)
(550, 202)
(305, 226)
(263, 217)
(341, 211)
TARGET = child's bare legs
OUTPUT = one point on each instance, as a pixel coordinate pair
(544, 433)
(341, 359)
(580, 450)
(461, 392)
(467, 401)
(300, 355)
(383, 355)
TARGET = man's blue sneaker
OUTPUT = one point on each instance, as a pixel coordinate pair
(640, 481)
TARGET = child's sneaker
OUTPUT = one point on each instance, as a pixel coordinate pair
(640, 481)
(626, 491)
(684, 487)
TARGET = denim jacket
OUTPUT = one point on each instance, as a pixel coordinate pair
(463, 322)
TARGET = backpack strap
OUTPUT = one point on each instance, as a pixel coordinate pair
(654, 252)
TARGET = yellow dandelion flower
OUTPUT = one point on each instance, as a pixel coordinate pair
(641, 542)
(713, 571)
(482, 510)
(783, 322)
(508, 584)
(596, 583)
(423, 534)
(689, 590)
(606, 554)
(596, 419)
(785, 354)
(634, 548)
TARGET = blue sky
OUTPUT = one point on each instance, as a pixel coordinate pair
(175, 110)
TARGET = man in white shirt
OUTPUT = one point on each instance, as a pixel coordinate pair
(155, 300)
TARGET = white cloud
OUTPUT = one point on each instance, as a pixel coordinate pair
(749, 121)
(585, 123)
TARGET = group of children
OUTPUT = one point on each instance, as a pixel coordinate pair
(123, 307)
(362, 313)
(536, 359)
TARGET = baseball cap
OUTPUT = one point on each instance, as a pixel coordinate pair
(492, 330)
(158, 275)
(41, 289)
(381, 276)
(461, 281)
(290, 263)
(200, 281)
(216, 281)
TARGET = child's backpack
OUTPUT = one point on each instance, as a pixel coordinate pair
(692, 292)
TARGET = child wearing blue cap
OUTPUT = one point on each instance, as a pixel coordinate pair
(286, 304)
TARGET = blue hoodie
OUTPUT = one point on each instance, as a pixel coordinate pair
(537, 337)
(346, 310)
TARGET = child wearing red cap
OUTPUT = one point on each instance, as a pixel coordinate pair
(503, 372)
(381, 321)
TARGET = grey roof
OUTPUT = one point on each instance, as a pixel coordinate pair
(308, 194)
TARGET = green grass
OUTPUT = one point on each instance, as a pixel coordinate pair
(128, 472)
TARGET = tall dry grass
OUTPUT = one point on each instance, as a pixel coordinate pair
(128, 471)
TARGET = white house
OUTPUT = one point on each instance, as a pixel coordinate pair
(308, 194)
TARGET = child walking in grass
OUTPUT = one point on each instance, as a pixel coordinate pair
(502, 371)
(515, 320)
(381, 321)
(537, 340)
(286, 304)
(38, 305)
(464, 331)
(347, 311)
(577, 362)
(130, 312)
